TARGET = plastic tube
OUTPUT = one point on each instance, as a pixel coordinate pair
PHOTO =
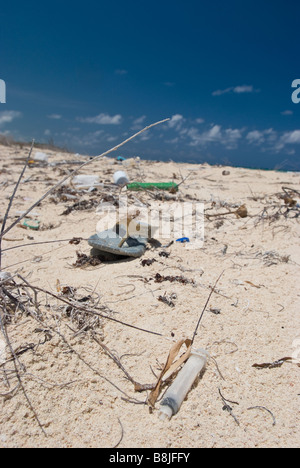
(177, 392)
(136, 186)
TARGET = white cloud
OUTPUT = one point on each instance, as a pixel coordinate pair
(291, 138)
(102, 119)
(214, 133)
(54, 116)
(271, 140)
(9, 116)
(236, 89)
(176, 121)
(199, 121)
(287, 112)
(121, 72)
(219, 92)
(259, 137)
(137, 124)
(173, 141)
(232, 136)
(228, 137)
(111, 138)
(90, 139)
(287, 138)
(243, 89)
(255, 137)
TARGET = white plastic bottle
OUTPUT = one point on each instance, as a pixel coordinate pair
(177, 392)
(120, 178)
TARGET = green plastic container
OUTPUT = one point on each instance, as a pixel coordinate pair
(136, 186)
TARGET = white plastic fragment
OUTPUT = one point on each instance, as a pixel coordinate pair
(4, 276)
(177, 392)
(40, 157)
(86, 181)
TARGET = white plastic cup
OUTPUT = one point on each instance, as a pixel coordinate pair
(120, 178)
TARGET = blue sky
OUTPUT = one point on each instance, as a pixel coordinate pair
(88, 75)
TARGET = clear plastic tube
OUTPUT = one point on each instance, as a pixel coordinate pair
(177, 392)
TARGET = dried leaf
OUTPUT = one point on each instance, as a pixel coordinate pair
(254, 285)
(170, 365)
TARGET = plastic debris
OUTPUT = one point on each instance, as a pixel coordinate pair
(177, 392)
(5, 276)
(86, 181)
(183, 239)
(136, 186)
(40, 157)
(131, 162)
(120, 178)
(31, 224)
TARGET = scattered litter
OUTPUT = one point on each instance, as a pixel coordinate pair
(120, 178)
(40, 157)
(127, 238)
(5, 276)
(180, 279)
(81, 206)
(63, 194)
(85, 181)
(179, 389)
(215, 311)
(31, 224)
(170, 367)
(131, 162)
(120, 158)
(169, 300)
(183, 240)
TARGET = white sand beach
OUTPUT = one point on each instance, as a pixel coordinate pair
(67, 374)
